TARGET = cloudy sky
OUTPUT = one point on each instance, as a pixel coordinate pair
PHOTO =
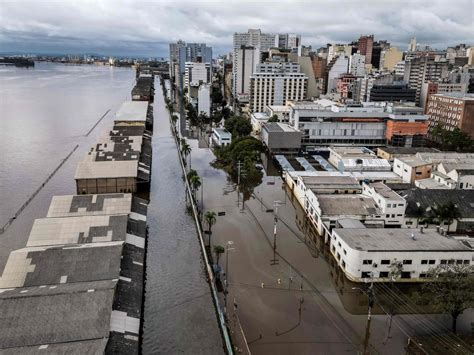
(137, 27)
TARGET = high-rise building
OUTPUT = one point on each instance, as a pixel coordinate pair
(276, 87)
(419, 70)
(245, 61)
(337, 66)
(287, 41)
(335, 50)
(253, 38)
(181, 53)
(366, 44)
(389, 58)
(204, 99)
(412, 45)
(395, 92)
(195, 75)
(431, 88)
(451, 110)
(357, 64)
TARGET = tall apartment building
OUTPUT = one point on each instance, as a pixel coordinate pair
(181, 53)
(335, 50)
(368, 81)
(287, 41)
(451, 110)
(357, 64)
(174, 59)
(419, 70)
(366, 44)
(431, 88)
(195, 75)
(253, 38)
(389, 58)
(276, 87)
(245, 61)
(337, 66)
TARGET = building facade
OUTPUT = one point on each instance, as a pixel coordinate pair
(451, 110)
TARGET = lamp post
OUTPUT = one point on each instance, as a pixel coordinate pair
(274, 261)
(370, 295)
(226, 282)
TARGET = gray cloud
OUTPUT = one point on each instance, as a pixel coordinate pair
(145, 27)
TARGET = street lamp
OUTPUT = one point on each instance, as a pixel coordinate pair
(370, 295)
(226, 283)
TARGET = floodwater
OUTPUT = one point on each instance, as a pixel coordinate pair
(45, 112)
(179, 313)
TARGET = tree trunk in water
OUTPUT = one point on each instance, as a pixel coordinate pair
(455, 319)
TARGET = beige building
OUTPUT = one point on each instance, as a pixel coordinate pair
(451, 110)
(390, 58)
(412, 168)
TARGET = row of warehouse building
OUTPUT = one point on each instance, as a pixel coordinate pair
(78, 284)
(371, 216)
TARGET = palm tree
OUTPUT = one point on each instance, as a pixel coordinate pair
(418, 213)
(195, 182)
(210, 218)
(218, 250)
(186, 150)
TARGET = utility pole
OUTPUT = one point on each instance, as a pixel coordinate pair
(243, 175)
(239, 165)
(274, 261)
(226, 282)
(370, 297)
(202, 199)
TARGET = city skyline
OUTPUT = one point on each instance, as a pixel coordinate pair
(145, 28)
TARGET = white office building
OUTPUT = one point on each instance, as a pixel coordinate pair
(246, 60)
(253, 38)
(204, 99)
(366, 254)
(276, 88)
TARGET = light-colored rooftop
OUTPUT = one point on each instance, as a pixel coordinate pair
(77, 230)
(92, 169)
(430, 183)
(223, 133)
(373, 163)
(444, 156)
(347, 205)
(132, 111)
(350, 151)
(385, 191)
(316, 183)
(412, 161)
(403, 239)
(90, 205)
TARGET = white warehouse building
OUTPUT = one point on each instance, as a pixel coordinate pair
(368, 253)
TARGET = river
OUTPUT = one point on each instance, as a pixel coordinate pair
(45, 112)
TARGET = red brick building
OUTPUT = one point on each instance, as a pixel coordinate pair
(366, 45)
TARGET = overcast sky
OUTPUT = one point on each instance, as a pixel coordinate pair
(124, 27)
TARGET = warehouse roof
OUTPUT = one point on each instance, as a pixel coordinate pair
(427, 199)
(403, 239)
(91, 169)
(35, 266)
(88, 205)
(96, 346)
(132, 111)
(317, 183)
(78, 230)
(347, 205)
(55, 314)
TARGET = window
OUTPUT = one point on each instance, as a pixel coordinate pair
(431, 262)
(443, 262)
(339, 244)
(333, 249)
(338, 256)
(406, 262)
(450, 262)
(385, 262)
(343, 264)
(383, 274)
(406, 275)
(367, 262)
(423, 276)
(365, 274)
(459, 262)
(345, 252)
(466, 262)
(424, 262)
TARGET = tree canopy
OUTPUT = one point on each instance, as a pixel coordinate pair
(452, 140)
(238, 126)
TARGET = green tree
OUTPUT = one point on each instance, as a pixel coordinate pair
(210, 218)
(218, 250)
(447, 212)
(274, 118)
(238, 126)
(450, 289)
(225, 113)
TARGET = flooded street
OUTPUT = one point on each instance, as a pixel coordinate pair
(301, 304)
(179, 313)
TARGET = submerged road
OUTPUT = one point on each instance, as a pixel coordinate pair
(179, 315)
